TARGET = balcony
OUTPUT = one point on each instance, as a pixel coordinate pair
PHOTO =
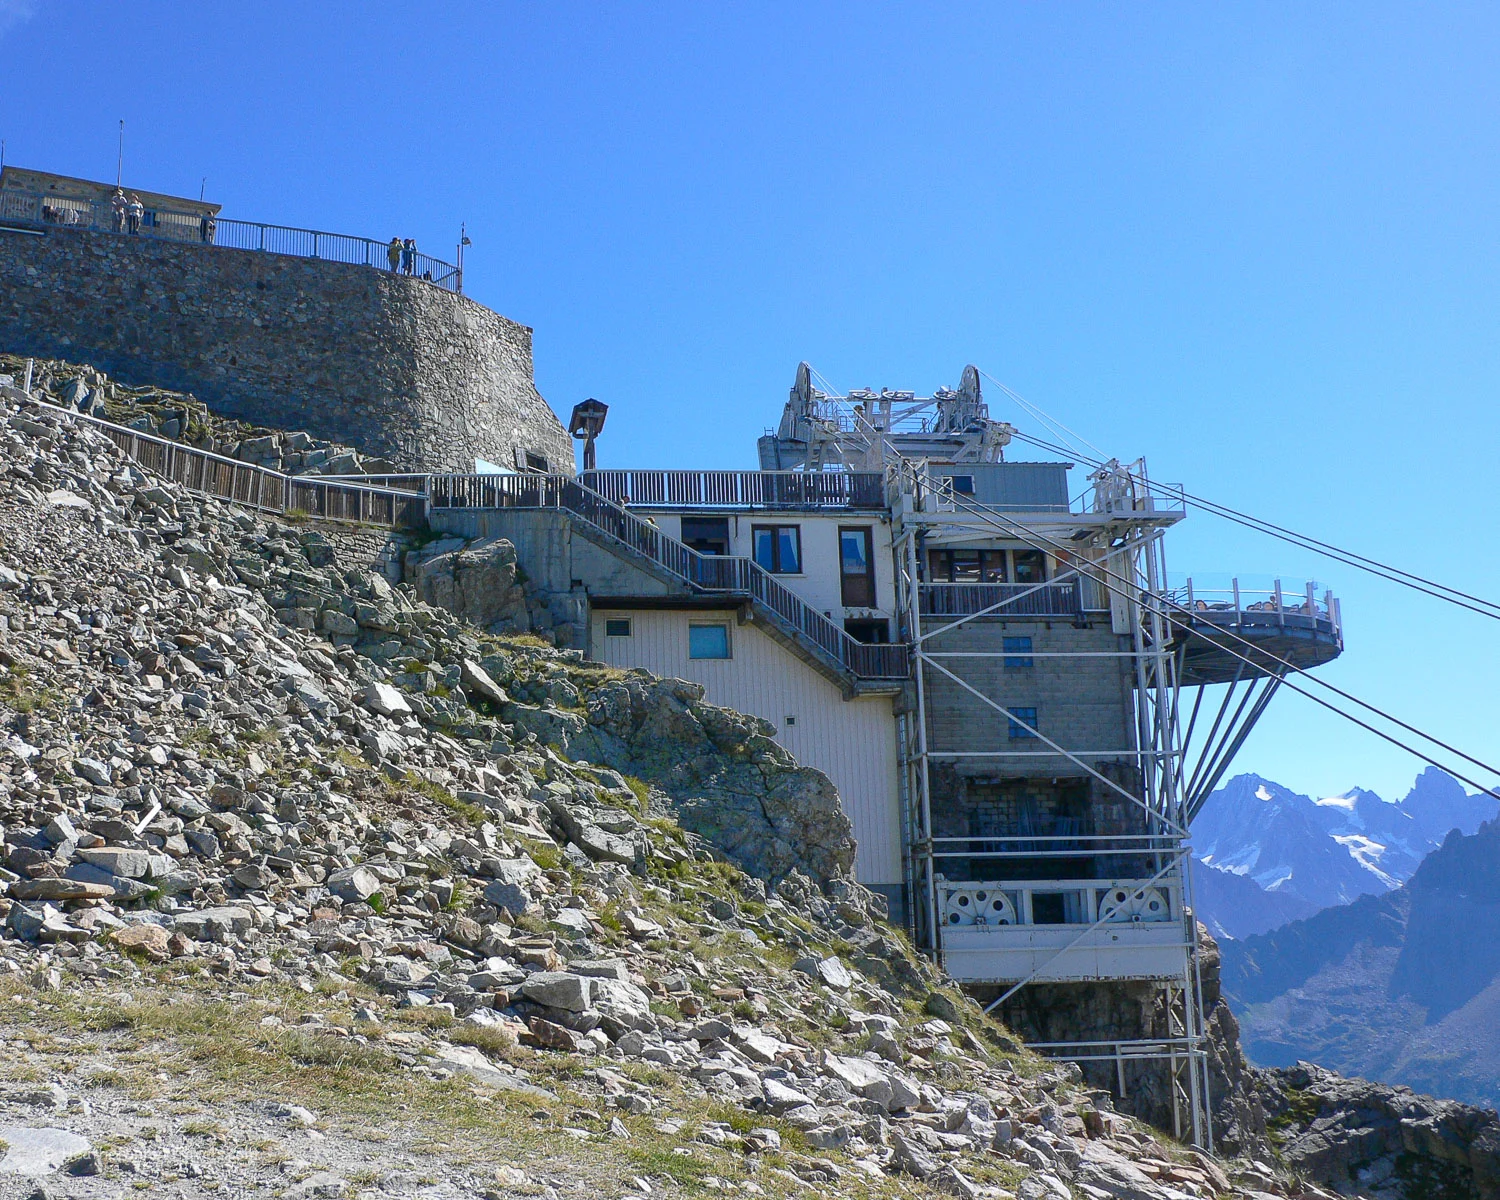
(1013, 599)
(1062, 930)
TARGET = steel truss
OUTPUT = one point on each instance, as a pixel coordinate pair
(1179, 757)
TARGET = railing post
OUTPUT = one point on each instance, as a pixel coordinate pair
(262, 237)
(1238, 616)
(1280, 612)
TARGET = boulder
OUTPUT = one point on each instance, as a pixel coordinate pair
(477, 682)
(386, 700)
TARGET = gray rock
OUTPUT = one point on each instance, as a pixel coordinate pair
(386, 700)
(559, 989)
(353, 883)
(208, 924)
(128, 864)
(476, 682)
(96, 772)
(34, 1153)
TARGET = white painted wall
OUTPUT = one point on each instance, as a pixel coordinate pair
(853, 742)
(819, 582)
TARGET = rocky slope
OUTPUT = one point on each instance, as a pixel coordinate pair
(1266, 855)
(1403, 988)
(304, 898)
(1389, 1143)
(181, 416)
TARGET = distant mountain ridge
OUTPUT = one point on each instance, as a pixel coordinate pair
(1266, 855)
(1403, 987)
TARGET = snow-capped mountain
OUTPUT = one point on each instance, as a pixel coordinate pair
(1293, 855)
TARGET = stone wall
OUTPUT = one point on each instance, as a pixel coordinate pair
(397, 367)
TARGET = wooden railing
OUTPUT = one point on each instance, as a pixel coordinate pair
(1015, 599)
(258, 487)
(740, 489)
(704, 572)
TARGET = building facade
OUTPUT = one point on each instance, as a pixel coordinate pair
(1021, 717)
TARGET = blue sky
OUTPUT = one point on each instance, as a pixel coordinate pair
(1256, 243)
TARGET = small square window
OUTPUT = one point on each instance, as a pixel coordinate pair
(536, 463)
(617, 627)
(963, 484)
(708, 641)
(1017, 653)
(1022, 723)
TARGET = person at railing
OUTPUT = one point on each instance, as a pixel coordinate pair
(393, 254)
(207, 226)
(408, 256)
(117, 206)
(135, 213)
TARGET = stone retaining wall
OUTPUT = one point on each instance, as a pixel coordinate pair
(397, 367)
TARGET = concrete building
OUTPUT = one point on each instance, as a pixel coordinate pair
(1020, 716)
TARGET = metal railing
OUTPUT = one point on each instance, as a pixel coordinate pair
(1020, 599)
(741, 489)
(65, 212)
(254, 486)
(1238, 605)
(704, 572)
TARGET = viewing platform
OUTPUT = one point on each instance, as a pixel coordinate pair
(1301, 628)
(44, 211)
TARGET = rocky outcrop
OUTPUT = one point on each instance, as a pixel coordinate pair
(1368, 1139)
(477, 582)
(731, 782)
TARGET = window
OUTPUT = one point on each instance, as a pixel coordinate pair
(535, 462)
(967, 566)
(856, 568)
(708, 641)
(1017, 653)
(778, 548)
(617, 627)
(1022, 723)
(1031, 566)
(707, 535)
(963, 484)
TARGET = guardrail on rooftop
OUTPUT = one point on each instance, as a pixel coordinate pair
(740, 489)
(66, 212)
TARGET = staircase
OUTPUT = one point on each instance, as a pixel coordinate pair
(783, 614)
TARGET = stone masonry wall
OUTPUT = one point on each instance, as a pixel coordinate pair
(397, 367)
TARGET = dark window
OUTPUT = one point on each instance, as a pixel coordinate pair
(1017, 653)
(708, 641)
(967, 566)
(535, 462)
(1031, 566)
(963, 484)
(856, 568)
(778, 548)
(707, 535)
(1022, 723)
(617, 627)
(872, 633)
(1048, 908)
